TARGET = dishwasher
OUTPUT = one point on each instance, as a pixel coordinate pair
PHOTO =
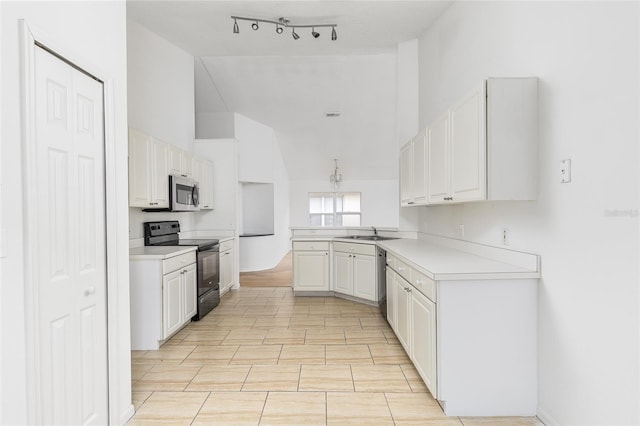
(381, 266)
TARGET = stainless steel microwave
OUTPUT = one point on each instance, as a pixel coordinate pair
(183, 194)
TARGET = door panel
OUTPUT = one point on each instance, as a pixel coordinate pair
(71, 279)
(438, 160)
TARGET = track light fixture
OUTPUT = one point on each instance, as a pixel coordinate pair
(282, 23)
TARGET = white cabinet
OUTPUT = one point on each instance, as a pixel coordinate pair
(354, 270)
(311, 266)
(484, 147)
(414, 316)
(163, 294)
(423, 338)
(457, 151)
(203, 174)
(413, 171)
(148, 177)
(180, 162)
(227, 266)
(206, 185)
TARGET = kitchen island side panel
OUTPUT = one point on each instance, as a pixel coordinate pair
(487, 347)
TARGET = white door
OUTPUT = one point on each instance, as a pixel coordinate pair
(438, 160)
(71, 275)
(172, 303)
(423, 339)
(419, 186)
(311, 270)
(469, 147)
(364, 277)
(190, 278)
(406, 174)
(343, 273)
(403, 312)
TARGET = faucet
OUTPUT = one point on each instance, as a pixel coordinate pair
(375, 231)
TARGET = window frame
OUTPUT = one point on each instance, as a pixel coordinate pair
(334, 215)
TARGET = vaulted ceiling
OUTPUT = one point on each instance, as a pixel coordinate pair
(289, 84)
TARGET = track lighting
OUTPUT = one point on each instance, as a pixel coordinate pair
(283, 23)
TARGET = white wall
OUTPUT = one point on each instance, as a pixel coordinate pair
(379, 200)
(586, 56)
(408, 115)
(161, 87)
(161, 104)
(257, 150)
(94, 33)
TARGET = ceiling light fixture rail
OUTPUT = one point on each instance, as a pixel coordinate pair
(281, 23)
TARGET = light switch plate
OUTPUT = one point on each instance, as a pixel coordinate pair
(565, 171)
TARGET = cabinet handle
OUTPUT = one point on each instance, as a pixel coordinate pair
(400, 268)
(419, 282)
(89, 291)
(411, 202)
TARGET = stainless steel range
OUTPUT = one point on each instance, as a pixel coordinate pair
(207, 259)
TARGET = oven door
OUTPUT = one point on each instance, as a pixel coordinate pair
(208, 270)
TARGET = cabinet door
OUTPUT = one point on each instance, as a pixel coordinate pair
(175, 158)
(391, 298)
(406, 173)
(423, 339)
(438, 160)
(139, 169)
(419, 178)
(364, 277)
(190, 292)
(159, 174)
(469, 147)
(171, 303)
(403, 297)
(311, 270)
(343, 273)
(186, 164)
(206, 185)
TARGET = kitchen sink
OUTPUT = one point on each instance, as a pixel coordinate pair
(368, 237)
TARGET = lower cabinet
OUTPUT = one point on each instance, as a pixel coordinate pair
(178, 299)
(412, 316)
(354, 270)
(311, 266)
(227, 266)
(163, 295)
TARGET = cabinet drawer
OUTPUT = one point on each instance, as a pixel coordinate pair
(177, 262)
(311, 245)
(403, 269)
(226, 245)
(424, 284)
(368, 249)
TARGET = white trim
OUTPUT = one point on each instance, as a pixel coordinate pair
(29, 36)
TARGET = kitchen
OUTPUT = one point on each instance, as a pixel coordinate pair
(587, 75)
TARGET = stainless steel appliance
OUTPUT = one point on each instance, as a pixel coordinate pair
(184, 195)
(165, 233)
(381, 265)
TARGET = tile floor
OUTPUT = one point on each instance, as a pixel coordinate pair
(265, 357)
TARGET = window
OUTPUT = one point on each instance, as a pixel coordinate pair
(334, 208)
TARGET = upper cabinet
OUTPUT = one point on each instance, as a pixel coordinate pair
(148, 177)
(413, 168)
(484, 147)
(151, 161)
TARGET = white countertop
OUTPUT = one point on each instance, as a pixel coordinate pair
(158, 252)
(443, 263)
